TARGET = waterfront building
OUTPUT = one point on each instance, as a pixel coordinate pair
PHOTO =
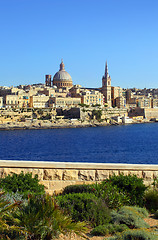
(64, 102)
(154, 103)
(92, 97)
(116, 92)
(106, 86)
(11, 100)
(62, 78)
(120, 102)
(39, 101)
(144, 102)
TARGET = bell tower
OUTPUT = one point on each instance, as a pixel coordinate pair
(106, 86)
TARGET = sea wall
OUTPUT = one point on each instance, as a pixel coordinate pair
(55, 175)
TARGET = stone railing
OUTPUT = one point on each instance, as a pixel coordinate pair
(57, 175)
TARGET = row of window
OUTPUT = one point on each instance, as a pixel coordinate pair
(63, 84)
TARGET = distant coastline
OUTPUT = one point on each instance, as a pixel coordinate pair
(75, 123)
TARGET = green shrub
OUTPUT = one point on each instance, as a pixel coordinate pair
(151, 200)
(6, 208)
(23, 183)
(129, 216)
(78, 188)
(114, 197)
(103, 230)
(85, 207)
(100, 230)
(137, 234)
(97, 114)
(42, 219)
(141, 211)
(131, 185)
(155, 183)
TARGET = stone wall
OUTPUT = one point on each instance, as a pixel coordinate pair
(55, 176)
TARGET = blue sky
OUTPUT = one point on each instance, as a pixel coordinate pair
(36, 34)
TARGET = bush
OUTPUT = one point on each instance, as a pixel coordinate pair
(42, 219)
(100, 230)
(85, 207)
(141, 211)
(131, 185)
(103, 230)
(97, 114)
(129, 216)
(151, 200)
(6, 208)
(114, 197)
(23, 183)
(78, 188)
(136, 235)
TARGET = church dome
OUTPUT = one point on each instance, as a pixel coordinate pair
(62, 78)
(62, 75)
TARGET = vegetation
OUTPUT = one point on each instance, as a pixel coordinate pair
(83, 105)
(110, 207)
(151, 200)
(97, 114)
(137, 234)
(130, 216)
(5, 218)
(23, 183)
(78, 188)
(85, 207)
(103, 230)
(131, 185)
(42, 219)
(111, 194)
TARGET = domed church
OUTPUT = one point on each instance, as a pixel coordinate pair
(62, 78)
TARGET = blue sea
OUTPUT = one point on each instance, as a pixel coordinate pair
(137, 144)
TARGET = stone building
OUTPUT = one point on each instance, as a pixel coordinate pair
(64, 102)
(92, 97)
(144, 102)
(106, 86)
(62, 78)
(154, 103)
(116, 92)
(39, 101)
(120, 102)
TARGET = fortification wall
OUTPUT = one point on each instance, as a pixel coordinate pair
(55, 176)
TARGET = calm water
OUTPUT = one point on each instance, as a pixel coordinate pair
(114, 144)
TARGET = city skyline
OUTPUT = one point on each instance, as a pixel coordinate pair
(35, 35)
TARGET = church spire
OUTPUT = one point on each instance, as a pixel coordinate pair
(106, 70)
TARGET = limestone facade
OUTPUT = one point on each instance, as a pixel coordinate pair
(55, 176)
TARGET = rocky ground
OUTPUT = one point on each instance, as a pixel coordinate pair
(60, 123)
(45, 124)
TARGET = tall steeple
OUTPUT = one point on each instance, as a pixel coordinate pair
(106, 70)
(106, 86)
